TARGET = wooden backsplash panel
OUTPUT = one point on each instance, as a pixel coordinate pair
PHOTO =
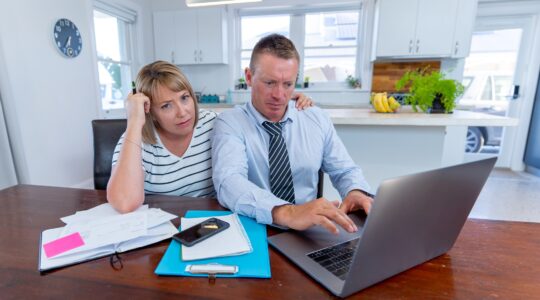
(386, 74)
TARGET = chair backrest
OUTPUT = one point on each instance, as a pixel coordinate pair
(106, 135)
(320, 184)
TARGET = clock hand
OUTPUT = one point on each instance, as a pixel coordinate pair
(68, 41)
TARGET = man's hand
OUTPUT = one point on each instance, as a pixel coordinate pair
(356, 200)
(317, 212)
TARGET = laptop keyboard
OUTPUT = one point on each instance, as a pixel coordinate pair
(336, 259)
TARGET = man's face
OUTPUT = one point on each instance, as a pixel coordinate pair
(272, 85)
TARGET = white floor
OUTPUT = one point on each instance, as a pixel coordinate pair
(511, 196)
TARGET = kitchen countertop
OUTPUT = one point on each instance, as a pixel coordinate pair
(351, 115)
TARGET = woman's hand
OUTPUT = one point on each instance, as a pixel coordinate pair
(137, 105)
(302, 101)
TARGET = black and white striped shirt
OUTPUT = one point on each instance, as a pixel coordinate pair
(189, 175)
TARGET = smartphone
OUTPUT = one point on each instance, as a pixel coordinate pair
(200, 232)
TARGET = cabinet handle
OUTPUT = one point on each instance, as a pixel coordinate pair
(417, 45)
(200, 55)
(410, 46)
(195, 55)
(172, 57)
(457, 48)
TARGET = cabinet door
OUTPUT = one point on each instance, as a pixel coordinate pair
(212, 30)
(465, 18)
(186, 48)
(396, 21)
(435, 28)
(164, 36)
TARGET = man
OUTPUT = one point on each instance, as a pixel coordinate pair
(266, 154)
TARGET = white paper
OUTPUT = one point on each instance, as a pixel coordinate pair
(231, 241)
(100, 211)
(154, 235)
(108, 230)
(156, 217)
(55, 262)
(105, 231)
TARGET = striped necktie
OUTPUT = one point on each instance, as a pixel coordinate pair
(281, 182)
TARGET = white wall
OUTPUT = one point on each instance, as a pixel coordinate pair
(8, 177)
(50, 100)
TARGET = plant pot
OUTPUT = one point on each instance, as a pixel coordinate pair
(437, 106)
(306, 85)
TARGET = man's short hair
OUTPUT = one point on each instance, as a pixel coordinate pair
(274, 44)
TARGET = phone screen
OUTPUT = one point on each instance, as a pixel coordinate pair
(201, 231)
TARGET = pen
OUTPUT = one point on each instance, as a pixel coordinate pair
(133, 87)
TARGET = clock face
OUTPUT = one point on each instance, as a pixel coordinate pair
(67, 38)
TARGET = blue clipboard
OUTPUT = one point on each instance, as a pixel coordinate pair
(254, 264)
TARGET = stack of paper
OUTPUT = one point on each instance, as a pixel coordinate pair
(102, 231)
(232, 241)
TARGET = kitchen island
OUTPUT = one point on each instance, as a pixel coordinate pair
(390, 145)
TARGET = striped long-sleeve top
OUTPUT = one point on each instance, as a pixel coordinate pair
(168, 174)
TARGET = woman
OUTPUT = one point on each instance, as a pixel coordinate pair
(168, 136)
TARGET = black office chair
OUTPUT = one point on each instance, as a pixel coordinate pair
(320, 184)
(106, 135)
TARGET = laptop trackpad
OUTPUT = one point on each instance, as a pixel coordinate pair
(318, 237)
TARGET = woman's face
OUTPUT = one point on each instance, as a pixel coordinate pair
(174, 111)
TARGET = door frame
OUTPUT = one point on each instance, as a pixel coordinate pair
(524, 15)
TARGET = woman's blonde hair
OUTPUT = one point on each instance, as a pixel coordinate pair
(149, 79)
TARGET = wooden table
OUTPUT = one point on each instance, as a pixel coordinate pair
(491, 259)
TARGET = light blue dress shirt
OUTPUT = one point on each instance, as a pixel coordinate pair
(240, 159)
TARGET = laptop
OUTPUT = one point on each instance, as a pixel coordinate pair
(413, 219)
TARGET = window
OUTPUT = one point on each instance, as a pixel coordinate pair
(326, 40)
(255, 28)
(503, 87)
(487, 93)
(330, 46)
(467, 80)
(113, 28)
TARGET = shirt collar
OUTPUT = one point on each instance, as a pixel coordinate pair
(290, 113)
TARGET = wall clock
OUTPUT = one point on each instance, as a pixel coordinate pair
(67, 38)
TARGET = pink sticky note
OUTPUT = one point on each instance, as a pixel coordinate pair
(63, 244)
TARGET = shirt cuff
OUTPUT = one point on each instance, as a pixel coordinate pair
(363, 190)
(263, 211)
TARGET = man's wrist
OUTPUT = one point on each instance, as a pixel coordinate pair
(363, 192)
(280, 214)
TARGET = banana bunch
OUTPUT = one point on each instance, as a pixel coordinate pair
(383, 104)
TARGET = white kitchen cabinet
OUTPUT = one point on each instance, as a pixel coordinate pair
(465, 18)
(415, 28)
(194, 36)
(212, 36)
(186, 30)
(436, 22)
(164, 36)
(395, 24)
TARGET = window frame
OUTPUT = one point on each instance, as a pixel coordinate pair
(297, 35)
(129, 17)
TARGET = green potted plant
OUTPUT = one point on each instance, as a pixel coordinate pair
(353, 82)
(430, 91)
(306, 82)
(242, 85)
